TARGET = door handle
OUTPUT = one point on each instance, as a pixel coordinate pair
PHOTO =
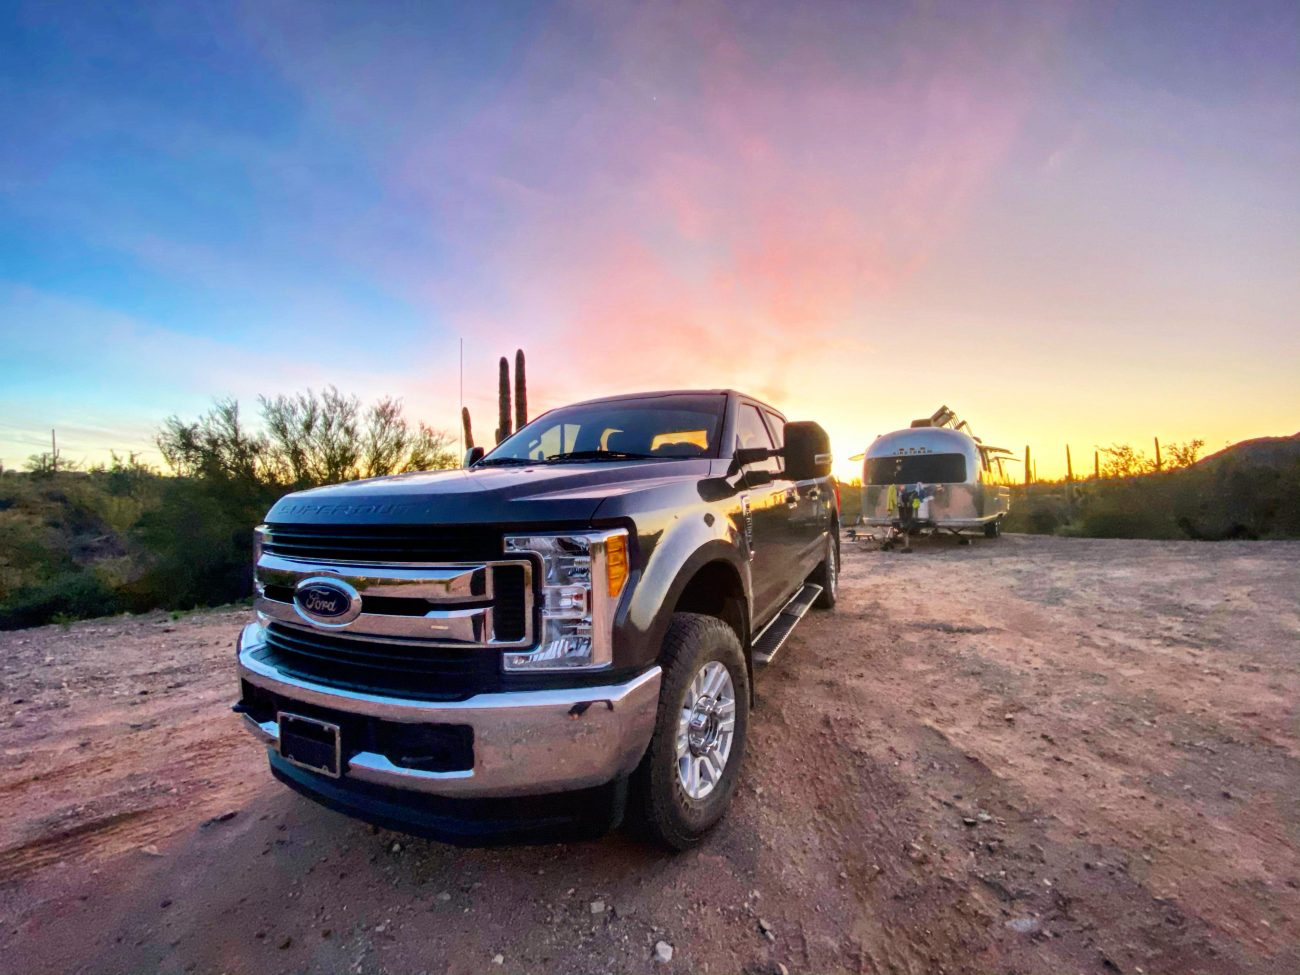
(791, 498)
(814, 494)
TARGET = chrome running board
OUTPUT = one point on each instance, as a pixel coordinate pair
(768, 643)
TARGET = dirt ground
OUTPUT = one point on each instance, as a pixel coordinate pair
(1026, 755)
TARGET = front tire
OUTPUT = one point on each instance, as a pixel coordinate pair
(827, 574)
(690, 771)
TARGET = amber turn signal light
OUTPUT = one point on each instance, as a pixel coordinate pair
(616, 563)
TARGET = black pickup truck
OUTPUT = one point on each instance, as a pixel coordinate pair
(563, 629)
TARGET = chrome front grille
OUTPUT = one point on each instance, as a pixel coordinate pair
(469, 605)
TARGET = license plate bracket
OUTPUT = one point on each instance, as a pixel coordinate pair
(311, 744)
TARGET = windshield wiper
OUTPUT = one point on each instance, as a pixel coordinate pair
(597, 455)
(504, 462)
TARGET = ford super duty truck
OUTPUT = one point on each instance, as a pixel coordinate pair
(563, 629)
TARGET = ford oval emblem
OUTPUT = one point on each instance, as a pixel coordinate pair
(327, 602)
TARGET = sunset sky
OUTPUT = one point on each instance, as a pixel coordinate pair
(1072, 223)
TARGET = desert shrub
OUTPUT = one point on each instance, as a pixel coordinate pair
(850, 501)
(125, 536)
(1124, 460)
(1236, 500)
(1131, 508)
(199, 541)
(31, 552)
(78, 594)
(1111, 521)
(303, 441)
(1038, 514)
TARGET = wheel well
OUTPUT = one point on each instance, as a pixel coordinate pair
(716, 590)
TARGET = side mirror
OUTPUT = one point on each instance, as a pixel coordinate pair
(807, 451)
(473, 456)
(744, 456)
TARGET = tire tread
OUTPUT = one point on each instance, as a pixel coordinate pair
(687, 633)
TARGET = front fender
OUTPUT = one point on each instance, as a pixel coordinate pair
(673, 541)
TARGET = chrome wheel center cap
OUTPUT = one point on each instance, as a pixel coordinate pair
(703, 726)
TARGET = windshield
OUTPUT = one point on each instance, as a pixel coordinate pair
(917, 469)
(652, 428)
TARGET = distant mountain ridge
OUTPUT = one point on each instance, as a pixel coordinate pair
(1260, 452)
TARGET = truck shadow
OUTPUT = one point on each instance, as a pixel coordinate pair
(286, 885)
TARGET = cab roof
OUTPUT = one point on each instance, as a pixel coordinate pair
(677, 392)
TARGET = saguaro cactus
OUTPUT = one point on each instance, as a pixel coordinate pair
(521, 391)
(503, 401)
(1158, 464)
(469, 431)
(1029, 471)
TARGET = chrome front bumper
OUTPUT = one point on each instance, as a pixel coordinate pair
(525, 742)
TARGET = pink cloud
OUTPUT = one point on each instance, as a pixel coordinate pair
(669, 195)
(703, 186)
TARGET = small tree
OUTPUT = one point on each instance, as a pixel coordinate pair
(1124, 460)
(430, 450)
(47, 464)
(1183, 454)
(309, 439)
(125, 476)
(386, 441)
(216, 445)
(314, 440)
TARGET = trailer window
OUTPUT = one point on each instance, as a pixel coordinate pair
(917, 468)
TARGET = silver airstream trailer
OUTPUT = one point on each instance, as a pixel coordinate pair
(935, 476)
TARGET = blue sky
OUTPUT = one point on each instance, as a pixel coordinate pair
(1088, 208)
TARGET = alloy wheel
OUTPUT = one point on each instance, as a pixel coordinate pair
(705, 729)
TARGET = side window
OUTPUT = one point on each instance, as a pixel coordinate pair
(777, 426)
(752, 432)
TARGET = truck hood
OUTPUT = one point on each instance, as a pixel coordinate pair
(566, 493)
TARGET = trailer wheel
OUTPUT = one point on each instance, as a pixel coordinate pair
(689, 773)
(993, 529)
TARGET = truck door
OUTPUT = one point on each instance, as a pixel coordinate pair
(809, 515)
(768, 519)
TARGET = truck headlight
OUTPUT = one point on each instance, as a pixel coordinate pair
(583, 574)
(259, 538)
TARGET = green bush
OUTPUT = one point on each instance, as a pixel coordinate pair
(1038, 514)
(1133, 508)
(1223, 500)
(1235, 500)
(79, 594)
(125, 537)
(850, 501)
